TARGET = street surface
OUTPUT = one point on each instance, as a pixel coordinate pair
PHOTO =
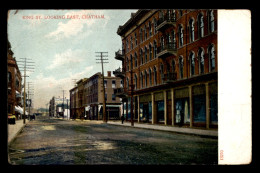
(47, 141)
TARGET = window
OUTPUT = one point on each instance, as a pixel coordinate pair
(211, 21)
(145, 52)
(113, 83)
(135, 81)
(113, 97)
(173, 66)
(135, 60)
(173, 15)
(155, 76)
(150, 29)
(201, 61)
(154, 49)
(150, 77)
(162, 43)
(126, 45)
(131, 39)
(212, 58)
(9, 77)
(201, 25)
(180, 12)
(161, 71)
(191, 25)
(127, 83)
(145, 78)
(181, 67)
(141, 56)
(145, 32)
(127, 64)
(131, 62)
(154, 24)
(121, 83)
(135, 40)
(150, 52)
(105, 83)
(141, 35)
(105, 97)
(173, 38)
(141, 79)
(180, 36)
(192, 64)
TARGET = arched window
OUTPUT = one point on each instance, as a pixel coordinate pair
(154, 76)
(154, 49)
(211, 21)
(173, 66)
(135, 81)
(141, 79)
(127, 83)
(201, 61)
(211, 58)
(150, 52)
(173, 39)
(135, 59)
(150, 77)
(192, 64)
(127, 63)
(161, 71)
(162, 43)
(150, 29)
(9, 77)
(145, 52)
(145, 78)
(155, 25)
(141, 35)
(173, 15)
(131, 62)
(181, 67)
(180, 36)
(141, 56)
(131, 40)
(201, 25)
(191, 25)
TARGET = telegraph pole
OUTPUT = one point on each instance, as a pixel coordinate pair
(25, 68)
(104, 100)
(63, 104)
(29, 99)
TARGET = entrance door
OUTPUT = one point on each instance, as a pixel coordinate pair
(146, 112)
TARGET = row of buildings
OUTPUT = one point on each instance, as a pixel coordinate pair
(169, 70)
(14, 86)
(169, 61)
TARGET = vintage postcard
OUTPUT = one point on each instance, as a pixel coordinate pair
(129, 87)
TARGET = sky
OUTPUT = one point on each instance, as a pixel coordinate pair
(62, 45)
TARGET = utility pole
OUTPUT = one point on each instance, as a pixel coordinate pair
(63, 104)
(29, 99)
(104, 100)
(25, 68)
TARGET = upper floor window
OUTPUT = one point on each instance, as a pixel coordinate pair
(161, 71)
(126, 44)
(131, 40)
(211, 21)
(9, 77)
(211, 58)
(173, 66)
(141, 79)
(145, 52)
(141, 56)
(135, 60)
(113, 83)
(180, 36)
(150, 77)
(162, 43)
(201, 61)
(181, 66)
(155, 75)
(145, 33)
(141, 35)
(135, 40)
(145, 78)
(150, 52)
(127, 83)
(105, 83)
(135, 80)
(155, 25)
(200, 25)
(150, 29)
(192, 64)
(191, 25)
(154, 49)
(131, 62)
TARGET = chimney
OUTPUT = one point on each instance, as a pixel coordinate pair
(108, 73)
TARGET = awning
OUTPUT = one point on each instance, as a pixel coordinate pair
(114, 106)
(18, 109)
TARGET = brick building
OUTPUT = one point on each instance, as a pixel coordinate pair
(14, 85)
(172, 56)
(87, 97)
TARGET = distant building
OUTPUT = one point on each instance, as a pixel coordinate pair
(14, 85)
(87, 98)
(172, 55)
(59, 107)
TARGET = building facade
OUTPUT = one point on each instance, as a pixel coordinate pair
(59, 107)
(14, 85)
(87, 97)
(169, 60)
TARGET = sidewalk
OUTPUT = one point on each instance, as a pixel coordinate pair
(14, 129)
(191, 131)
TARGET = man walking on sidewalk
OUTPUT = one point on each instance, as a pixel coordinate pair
(122, 118)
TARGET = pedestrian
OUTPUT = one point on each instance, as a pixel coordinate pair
(122, 118)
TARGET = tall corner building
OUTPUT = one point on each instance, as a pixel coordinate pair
(170, 67)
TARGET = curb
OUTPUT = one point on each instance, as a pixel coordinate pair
(19, 131)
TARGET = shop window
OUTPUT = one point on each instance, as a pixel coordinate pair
(199, 106)
(182, 114)
(160, 111)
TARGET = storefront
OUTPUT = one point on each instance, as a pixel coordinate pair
(145, 104)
